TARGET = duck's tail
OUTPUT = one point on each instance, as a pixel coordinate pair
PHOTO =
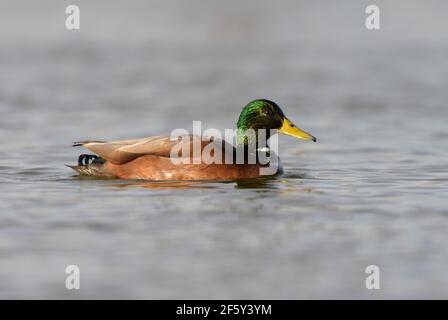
(91, 165)
(90, 170)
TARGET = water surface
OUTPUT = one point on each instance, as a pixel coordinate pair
(373, 190)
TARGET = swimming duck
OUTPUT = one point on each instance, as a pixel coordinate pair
(152, 158)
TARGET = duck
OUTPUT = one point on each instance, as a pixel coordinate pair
(152, 158)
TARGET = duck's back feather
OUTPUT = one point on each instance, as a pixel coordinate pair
(149, 158)
(123, 151)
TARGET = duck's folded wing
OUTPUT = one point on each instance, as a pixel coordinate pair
(119, 152)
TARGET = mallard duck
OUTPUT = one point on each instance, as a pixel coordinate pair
(151, 158)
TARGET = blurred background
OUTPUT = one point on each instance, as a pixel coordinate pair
(373, 190)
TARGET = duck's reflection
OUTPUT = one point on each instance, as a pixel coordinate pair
(263, 184)
(268, 182)
(164, 185)
(258, 183)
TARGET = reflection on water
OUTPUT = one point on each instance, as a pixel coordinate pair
(373, 190)
(172, 185)
(257, 183)
(264, 183)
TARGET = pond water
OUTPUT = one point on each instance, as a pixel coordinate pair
(372, 191)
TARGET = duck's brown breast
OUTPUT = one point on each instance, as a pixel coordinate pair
(151, 167)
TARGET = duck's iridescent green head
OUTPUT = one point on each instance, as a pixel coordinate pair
(266, 114)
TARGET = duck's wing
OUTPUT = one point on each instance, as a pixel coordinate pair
(119, 152)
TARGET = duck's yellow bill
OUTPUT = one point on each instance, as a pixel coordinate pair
(290, 129)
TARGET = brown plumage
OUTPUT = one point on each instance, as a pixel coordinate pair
(149, 159)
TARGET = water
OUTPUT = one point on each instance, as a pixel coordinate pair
(372, 191)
